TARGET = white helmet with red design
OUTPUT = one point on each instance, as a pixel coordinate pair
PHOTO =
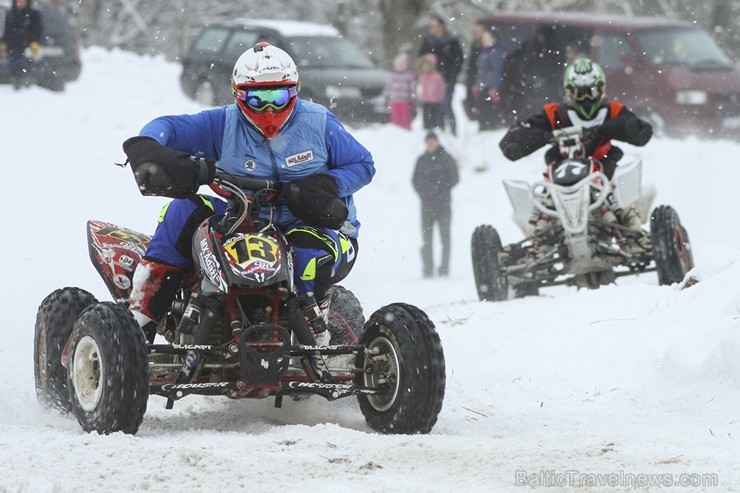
(265, 85)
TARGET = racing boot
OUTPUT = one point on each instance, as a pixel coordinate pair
(154, 287)
(322, 336)
(317, 315)
(629, 217)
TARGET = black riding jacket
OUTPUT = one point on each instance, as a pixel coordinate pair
(612, 121)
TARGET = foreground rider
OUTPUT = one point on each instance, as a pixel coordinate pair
(268, 133)
(602, 120)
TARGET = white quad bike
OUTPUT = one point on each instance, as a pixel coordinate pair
(583, 244)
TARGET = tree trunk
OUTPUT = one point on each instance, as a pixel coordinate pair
(400, 31)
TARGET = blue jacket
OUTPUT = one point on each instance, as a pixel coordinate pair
(312, 141)
(491, 67)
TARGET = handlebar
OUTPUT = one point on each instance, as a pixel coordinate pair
(261, 192)
(244, 182)
(241, 182)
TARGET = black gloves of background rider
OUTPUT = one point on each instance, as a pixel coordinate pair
(165, 172)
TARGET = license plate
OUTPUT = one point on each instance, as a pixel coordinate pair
(731, 122)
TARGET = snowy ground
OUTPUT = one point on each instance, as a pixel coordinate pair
(572, 386)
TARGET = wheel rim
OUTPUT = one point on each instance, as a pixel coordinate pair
(87, 373)
(384, 365)
(683, 254)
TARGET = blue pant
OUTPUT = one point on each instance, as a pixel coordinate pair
(322, 256)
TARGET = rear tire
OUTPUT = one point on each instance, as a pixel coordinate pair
(55, 320)
(671, 247)
(404, 357)
(346, 318)
(107, 370)
(490, 280)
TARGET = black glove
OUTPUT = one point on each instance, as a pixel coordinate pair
(315, 199)
(522, 141)
(159, 170)
(513, 151)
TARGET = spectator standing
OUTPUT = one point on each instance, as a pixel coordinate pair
(449, 60)
(400, 92)
(434, 176)
(20, 42)
(471, 73)
(490, 76)
(431, 92)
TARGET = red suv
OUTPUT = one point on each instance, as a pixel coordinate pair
(669, 72)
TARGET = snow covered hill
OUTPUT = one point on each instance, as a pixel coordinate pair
(631, 384)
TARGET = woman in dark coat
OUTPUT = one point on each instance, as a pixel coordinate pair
(21, 39)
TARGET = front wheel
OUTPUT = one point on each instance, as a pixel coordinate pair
(55, 320)
(671, 247)
(107, 370)
(404, 359)
(490, 279)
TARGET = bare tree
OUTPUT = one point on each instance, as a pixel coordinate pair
(400, 24)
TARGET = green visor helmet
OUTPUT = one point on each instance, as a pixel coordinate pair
(585, 86)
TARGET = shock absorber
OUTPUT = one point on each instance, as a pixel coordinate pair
(298, 309)
(199, 319)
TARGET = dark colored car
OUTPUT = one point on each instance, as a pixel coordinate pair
(670, 72)
(333, 71)
(60, 49)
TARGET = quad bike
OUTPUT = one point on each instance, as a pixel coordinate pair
(237, 328)
(581, 243)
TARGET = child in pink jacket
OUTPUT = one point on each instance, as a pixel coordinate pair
(400, 92)
(431, 92)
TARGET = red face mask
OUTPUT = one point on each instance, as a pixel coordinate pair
(266, 107)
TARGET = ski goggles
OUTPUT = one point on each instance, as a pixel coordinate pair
(583, 93)
(269, 97)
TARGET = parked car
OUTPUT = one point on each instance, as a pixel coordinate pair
(670, 72)
(60, 49)
(333, 71)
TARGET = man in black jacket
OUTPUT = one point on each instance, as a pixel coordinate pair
(450, 57)
(20, 41)
(434, 176)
